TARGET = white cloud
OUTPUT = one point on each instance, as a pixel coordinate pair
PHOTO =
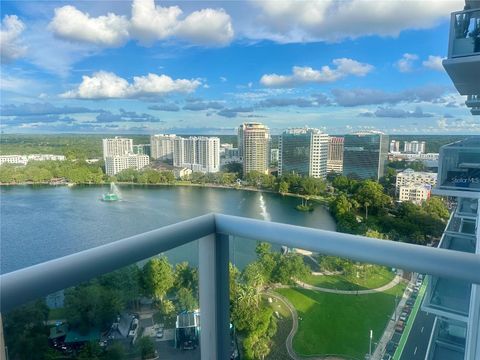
(434, 63)
(148, 23)
(107, 85)
(293, 21)
(207, 27)
(302, 75)
(405, 64)
(11, 47)
(71, 24)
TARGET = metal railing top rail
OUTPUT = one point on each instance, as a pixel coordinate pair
(40, 280)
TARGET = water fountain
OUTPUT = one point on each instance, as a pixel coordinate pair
(113, 194)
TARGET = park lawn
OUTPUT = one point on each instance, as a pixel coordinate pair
(278, 349)
(339, 324)
(378, 277)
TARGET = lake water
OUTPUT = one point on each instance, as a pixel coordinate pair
(39, 223)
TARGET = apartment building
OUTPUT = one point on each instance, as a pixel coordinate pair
(254, 147)
(414, 147)
(394, 146)
(200, 154)
(161, 146)
(117, 146)
(116, 164)
(335, 154)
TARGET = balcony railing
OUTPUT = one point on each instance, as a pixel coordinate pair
(212, 232)
(447, 340)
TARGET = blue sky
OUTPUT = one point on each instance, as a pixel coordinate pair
(205, 67)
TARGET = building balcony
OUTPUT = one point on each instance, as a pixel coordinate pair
(447, 341)
(463, 62)
(459, 169)
(214, 234)
(467, 208)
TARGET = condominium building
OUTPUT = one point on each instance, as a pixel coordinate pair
(254, 147)
(416, 194)
(365, 154)
(335, 154)
(161, 146)
(414, 147)
(24, 159)
(200, 154)
(142, 149)
(304, 152)
(409, 177)
(394, 146)
(456, 304)
(117, 146)
(13, 159)
(115, 164)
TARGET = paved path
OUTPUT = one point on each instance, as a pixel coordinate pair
(383, 288)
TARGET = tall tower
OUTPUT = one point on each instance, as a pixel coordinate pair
(254, 147)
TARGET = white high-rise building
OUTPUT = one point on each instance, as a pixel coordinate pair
(394, 146)
(274, 155)
(161, 146)
(303, 151)
(117, 146)
(254, 147)
(197, 153)
(115, 164)
(414, 147)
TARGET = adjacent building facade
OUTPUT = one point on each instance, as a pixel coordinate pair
(115, 164)
(117, 146)
(197, 153)
(365, 154)
(304, 152)
(335, 154)
(161, 147)
(254, 147)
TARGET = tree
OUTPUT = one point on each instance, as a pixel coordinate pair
(146, 347)
(371, 197)
(157, 277)
(312, 186)
(435, 207)
(283, 187)
(25, 332)
(185, 300)
(115, 352)
(186, 277)
(254, 275)
(125, 281)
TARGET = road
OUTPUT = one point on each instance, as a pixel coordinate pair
(417, 342)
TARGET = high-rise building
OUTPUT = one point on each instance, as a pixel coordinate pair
(414, 186)
(274, 155)
(365, 154)
(161, 146)
(394, 146)
(200, 154)
(254, 147)
(142, 149)
(304, 152)
(414, 147)
(115, 164)
(117, 146)
(335, 154)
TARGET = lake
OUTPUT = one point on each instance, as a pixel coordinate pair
(40, 223)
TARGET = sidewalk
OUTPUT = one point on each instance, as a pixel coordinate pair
(390, 329)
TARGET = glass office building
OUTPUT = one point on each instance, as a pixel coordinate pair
(304, 152)
(365, 154)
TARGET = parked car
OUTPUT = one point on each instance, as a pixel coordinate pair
(159, 334)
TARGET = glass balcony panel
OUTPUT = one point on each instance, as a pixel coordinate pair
(457, 243)
(145, 310)
(448, 296)
(448, 340)
(467, 207)
(466, 40)
(460, 167)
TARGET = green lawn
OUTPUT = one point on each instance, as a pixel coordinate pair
(377, 277)
(339, 324)
(278, 350)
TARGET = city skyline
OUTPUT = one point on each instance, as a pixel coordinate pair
(181, 76)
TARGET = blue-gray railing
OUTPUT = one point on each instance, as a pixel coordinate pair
(213, 232)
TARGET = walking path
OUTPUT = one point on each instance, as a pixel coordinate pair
(396, 280)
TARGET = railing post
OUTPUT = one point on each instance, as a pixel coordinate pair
(213, 253)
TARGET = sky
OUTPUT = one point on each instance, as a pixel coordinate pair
(205, 67)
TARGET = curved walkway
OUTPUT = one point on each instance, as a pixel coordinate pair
(289, 341)
(396, 280)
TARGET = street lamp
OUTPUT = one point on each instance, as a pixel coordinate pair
(370, 347)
